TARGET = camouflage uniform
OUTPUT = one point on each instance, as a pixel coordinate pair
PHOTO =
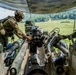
(7, 28)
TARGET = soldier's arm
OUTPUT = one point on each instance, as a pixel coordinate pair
(18, 32)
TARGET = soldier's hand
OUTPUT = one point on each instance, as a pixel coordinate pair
(29, 38)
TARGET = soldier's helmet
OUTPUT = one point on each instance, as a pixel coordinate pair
(19, 13)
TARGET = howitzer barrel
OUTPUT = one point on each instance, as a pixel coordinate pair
(11, 53)
(18, 60)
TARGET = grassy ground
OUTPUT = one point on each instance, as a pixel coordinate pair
(66, 26)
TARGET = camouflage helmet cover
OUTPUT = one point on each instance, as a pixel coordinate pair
(19, 13)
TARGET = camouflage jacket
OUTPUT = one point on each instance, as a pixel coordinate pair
(11, 26)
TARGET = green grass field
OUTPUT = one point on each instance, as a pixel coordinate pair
(66, 26)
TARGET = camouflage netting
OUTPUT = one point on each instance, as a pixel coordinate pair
(15, 5)
(38, 6)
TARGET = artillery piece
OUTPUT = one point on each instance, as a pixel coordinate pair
(32, 66)
(58, 63)
(72, 57)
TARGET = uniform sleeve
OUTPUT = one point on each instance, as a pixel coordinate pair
(18, 32)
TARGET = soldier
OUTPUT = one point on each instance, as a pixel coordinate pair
(9, 26)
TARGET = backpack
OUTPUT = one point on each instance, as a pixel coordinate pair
(2, 21)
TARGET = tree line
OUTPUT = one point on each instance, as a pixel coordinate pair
(71, 14)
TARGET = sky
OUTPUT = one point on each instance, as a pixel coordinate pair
(5, 12)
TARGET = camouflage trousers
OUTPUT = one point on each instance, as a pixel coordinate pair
(3, 40)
